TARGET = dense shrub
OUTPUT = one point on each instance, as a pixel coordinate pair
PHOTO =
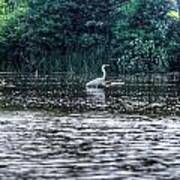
(78, 35)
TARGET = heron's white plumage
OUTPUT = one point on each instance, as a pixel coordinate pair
(98, 81)
(2, 83)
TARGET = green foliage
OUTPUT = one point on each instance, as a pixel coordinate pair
(10, 31)
(78, 35)
(144, 36)
(51, 30)
(143, 56)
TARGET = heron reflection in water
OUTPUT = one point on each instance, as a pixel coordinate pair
(95, 89)
(96, 95)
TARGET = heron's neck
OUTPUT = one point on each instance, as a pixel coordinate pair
(104, 73)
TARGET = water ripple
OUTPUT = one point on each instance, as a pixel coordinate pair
(90, 146)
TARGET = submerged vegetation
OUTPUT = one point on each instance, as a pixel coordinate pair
(78, 36)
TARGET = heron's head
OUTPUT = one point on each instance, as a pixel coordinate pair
(118, 60)
(105, 65)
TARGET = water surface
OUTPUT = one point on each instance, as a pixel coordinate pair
(89, 134)
(88, 146)
(134, 96)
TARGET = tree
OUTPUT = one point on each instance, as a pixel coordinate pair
(80, 35)
(143, 37)
(51, 30)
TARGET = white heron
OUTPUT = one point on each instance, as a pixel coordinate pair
(3, 83)
(99, 82)
(36, 74)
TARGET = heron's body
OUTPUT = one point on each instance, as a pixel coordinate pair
(36, 74)
(99, 82)
(96, 82)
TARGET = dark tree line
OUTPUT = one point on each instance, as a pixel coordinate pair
(80, 35)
